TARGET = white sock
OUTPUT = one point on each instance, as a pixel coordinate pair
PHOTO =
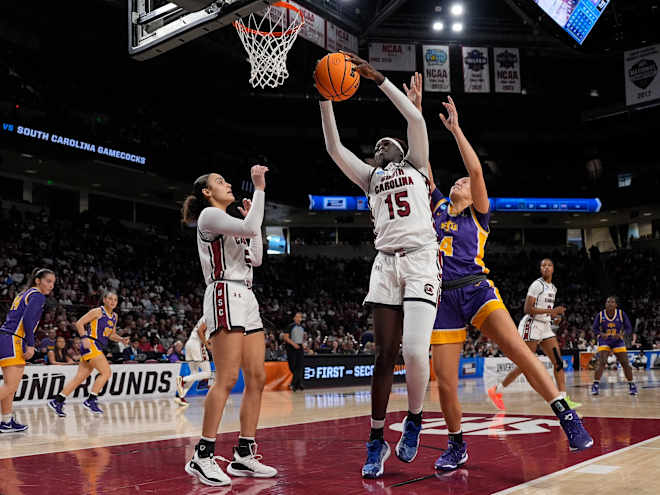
(6, 418)
(377, 424)
(562, 394)
(418, 319)
(500, 388)
(189, 380)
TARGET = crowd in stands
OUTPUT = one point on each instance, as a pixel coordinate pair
(160, 288)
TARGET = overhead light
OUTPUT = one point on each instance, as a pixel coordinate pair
(594, 93)
(26, 155)
(647, 213)
(456, 9)
(30, 171)
(438, 26)
(603, 219)
(457, 27)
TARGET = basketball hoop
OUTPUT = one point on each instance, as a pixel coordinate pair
(267, 38)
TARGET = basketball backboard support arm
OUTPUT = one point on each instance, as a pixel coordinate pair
(152, 31)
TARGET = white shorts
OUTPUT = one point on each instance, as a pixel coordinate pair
(531, 329)
(231, 306)
(405, 277)
(199, 366)
(195, 351)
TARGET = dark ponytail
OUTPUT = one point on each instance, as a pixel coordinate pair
(38, 273)
(196, 202)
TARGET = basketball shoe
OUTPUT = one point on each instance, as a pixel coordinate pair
(406, 449)
(632, 388)
(496, 398)
(578, 438)
(377, 453)
(572, 404)
(92, 406)
(250, 465)
(58, 407)
(595, 388)
(12, 426)
(206, 470)
(456, 455)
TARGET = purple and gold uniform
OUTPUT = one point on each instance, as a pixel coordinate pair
(99, 329)
(467, 295)
(22, 320)
(610, 331)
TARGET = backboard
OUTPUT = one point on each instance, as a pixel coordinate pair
(157, 26)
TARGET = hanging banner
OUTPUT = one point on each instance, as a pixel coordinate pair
(507, 70)
(641, 72)
(476, 69)
(392, 56)
(314, 27)
(338, 39)
(436, 68)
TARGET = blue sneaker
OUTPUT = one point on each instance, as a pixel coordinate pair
(406, 449)
(632, 388)
(578, 438)
(92, 406)
(58, 407)
(377, 453)
(12, 427)
(595, 388)
(456, 455)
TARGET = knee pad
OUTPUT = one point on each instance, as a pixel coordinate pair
(560, 362)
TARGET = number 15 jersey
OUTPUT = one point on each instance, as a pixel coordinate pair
(399, 198)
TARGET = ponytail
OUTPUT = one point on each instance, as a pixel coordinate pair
(196, 202)
(38, 273)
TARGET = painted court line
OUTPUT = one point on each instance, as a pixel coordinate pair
(595, 469)
(575, 467)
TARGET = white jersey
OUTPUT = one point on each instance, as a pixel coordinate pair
(194, 350)
(545, 297)
(229, 247)
(399, 198)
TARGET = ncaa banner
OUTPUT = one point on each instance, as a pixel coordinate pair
(436, 68)
(507, 70)
(338, 39)
(392, 56)
(314, 27)
(495, 369)
(135, 381)
(476, 69)
(641, 73)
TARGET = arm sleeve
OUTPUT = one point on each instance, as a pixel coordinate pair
(32, 315)
(436, 200)
(596, 325)
(418, 140)
(257, 250)
(627, 327)
(354, 168)
(535, 290)
(214, 221)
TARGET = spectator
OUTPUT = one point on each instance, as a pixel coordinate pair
(175, 354)
(47, 344)
(293, 337)
(132, 352)
(58, 355)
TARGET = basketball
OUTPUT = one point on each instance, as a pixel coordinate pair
(336, 78)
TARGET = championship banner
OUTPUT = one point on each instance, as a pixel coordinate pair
(135, 381)
(314, 27)
(641, 73)
(476, 70)
(507, 70)
(436, 68)
(495, 369)
(338, 39)
(392, 56)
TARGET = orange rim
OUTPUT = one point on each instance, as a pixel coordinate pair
(276, 34)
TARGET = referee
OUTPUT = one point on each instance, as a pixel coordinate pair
(294, 351)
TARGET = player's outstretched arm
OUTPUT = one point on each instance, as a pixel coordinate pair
(470, 158)
(418, 140)
(256, 243)
(354, 168)
(213, 221)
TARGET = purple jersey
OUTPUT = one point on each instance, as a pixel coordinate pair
(24, 315)
(101, 328)
(462, 238)
(616, 327)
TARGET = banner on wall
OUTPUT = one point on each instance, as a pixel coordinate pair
(392, 56)
(495, 369)
(641, 74)
(314, 27)
(339, 39)
(436, 68)
(476, 69)
(135, 381)
(507, 70)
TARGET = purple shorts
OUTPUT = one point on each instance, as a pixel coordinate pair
(611, 343)
(458, 307)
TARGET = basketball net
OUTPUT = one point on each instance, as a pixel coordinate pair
(267, 38)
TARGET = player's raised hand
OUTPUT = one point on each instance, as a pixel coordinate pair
(364, 68)
(258, 173)
(247, 204)
(451, 121)
(414, 92)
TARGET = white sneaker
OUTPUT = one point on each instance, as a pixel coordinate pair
(250, 465)
(207, 471)
(179, 385)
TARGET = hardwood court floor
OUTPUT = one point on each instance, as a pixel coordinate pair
(316, 440)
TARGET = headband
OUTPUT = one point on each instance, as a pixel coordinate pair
(394, 142)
